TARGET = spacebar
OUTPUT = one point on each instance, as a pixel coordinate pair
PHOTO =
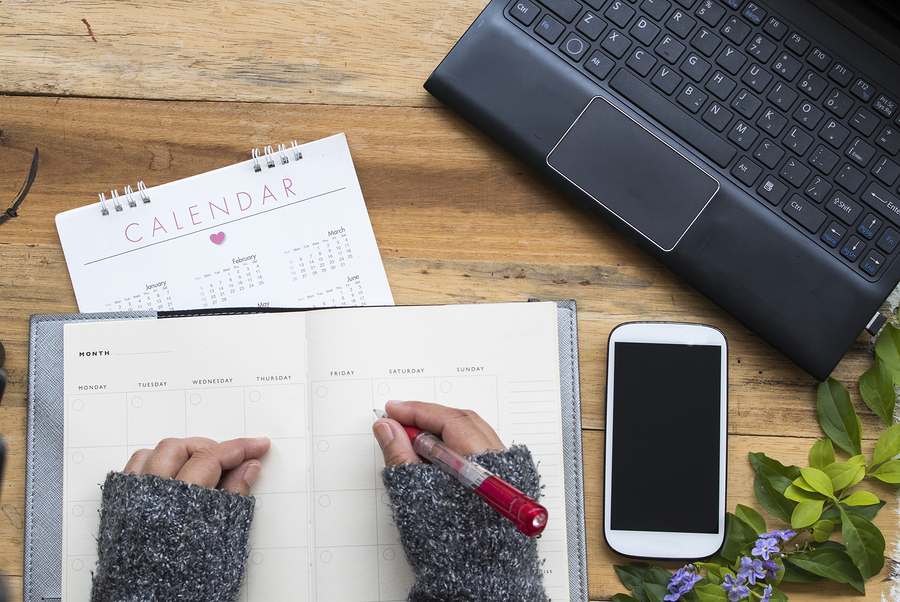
(673, 118)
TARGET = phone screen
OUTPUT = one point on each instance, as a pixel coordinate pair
(665, 447)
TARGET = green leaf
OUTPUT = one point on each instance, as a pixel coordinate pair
(818, 480)
(887, 349)
(861, 498)
(715, 573)
(829, 563)
(624, 598)
(834, 513)
(822, 530)
(634, 575)
(821, 454)
(737, 535)
(770, 498)
(844, 475)
(837, 416)
(864, 542)
(786, 474)
(795, 574)
(888, 444)
(876, 386)
(806, 513)
(710, 593)
(889, 472)
(751, 517)
(655, 592)
(796, 494)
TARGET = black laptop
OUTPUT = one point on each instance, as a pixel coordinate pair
(750, 147)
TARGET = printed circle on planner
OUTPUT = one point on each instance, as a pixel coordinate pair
(322, 391)
(324, 500)
(389, 554)
(77, 405)
(255, 396)
(325, 556)
(384, 389)
(78, 457)
(195, 399)
(77, 564)
(256, 558)
(137, 402)
(446, 387)
(77, 510)
(322, 445)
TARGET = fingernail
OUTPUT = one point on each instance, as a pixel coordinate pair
(252, 472)
(384, 434)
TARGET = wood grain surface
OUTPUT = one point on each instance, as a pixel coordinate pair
(116, 92)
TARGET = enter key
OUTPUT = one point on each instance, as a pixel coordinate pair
(883, 202)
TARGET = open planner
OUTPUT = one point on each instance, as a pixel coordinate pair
(104, 386)
(286, 228)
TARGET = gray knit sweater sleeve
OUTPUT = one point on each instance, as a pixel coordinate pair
(458, 547)
(162, 539)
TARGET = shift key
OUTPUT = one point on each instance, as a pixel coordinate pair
(804, 213)
(883, 202)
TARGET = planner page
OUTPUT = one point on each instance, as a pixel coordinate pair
(296, 233)
(130, 384)
(500, 360)
(322, 527)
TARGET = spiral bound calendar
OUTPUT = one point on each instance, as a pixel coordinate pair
(286, 228)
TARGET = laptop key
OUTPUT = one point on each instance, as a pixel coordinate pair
(844, 208)
(834, 133)
(833, 234)
(804, 213)
(706, 41)
(797, 44)
(642, 62)
(838, 103)
(746, 171)
(736, 31)
(769, 154)
(644, 31)
(599, 65)
(524, 12)
(691, 98)
(616, 44)
(850, 178)
(550, 29)
(787, 66)
(680, 24)
(889, 139)
(853, 249)
(886, 170)
(776, 28)
(794, 172)
(753, 13)
(885, 106)
(863, 90)
(771, 122)
(619, 13)
(717, 116)
(883, 202)
(565, 9)
(591, 26)
(888, 240)
(720, 85)
(872, 263)
(819, 59)
(656, 8)
(772, 190)
(840, 74)
(860, 152)
(824, 160)
(869, 226)
(667, 80)
(670, 49)
(684, 126)
(818, 189)
(710, 12)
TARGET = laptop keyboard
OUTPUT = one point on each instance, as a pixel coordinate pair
(807, 134)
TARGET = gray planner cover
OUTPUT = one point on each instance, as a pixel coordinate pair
(44, 461)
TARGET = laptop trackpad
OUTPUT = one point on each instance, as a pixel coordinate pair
(634, 174)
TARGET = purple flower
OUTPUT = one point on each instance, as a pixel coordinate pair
(771, 569)
(682, 582)
(783, 535)
(751, 570)
(735, 588)
(767, 593)
(765, 546)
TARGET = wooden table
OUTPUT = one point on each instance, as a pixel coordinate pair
(116, 92)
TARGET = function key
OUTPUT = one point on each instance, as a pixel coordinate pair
(754, 14)
(819, 59)
(885, 106)
(524, 12)
(657, 8)
(863, 90)
(888, 240)
(775, 28)
(840, 74)
(710, 12)
(797, 44)
(550, 29)
(567, 9)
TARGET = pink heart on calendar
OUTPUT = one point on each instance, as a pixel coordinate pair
(217, 238)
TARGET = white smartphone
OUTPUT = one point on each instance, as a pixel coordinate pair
(666, 427)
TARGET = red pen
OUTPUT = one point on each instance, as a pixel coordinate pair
(525, 513)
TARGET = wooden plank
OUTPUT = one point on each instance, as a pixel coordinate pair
(377, 52)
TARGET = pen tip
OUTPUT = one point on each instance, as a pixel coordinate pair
(380, 413)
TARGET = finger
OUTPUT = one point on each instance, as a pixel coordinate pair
(206, 465)
(463, 430)
(241, 479)
(394, 442)
(171, 455)
(138, 461)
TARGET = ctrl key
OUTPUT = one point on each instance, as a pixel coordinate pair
(804, 213)
(524, 12)
(872, 263)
